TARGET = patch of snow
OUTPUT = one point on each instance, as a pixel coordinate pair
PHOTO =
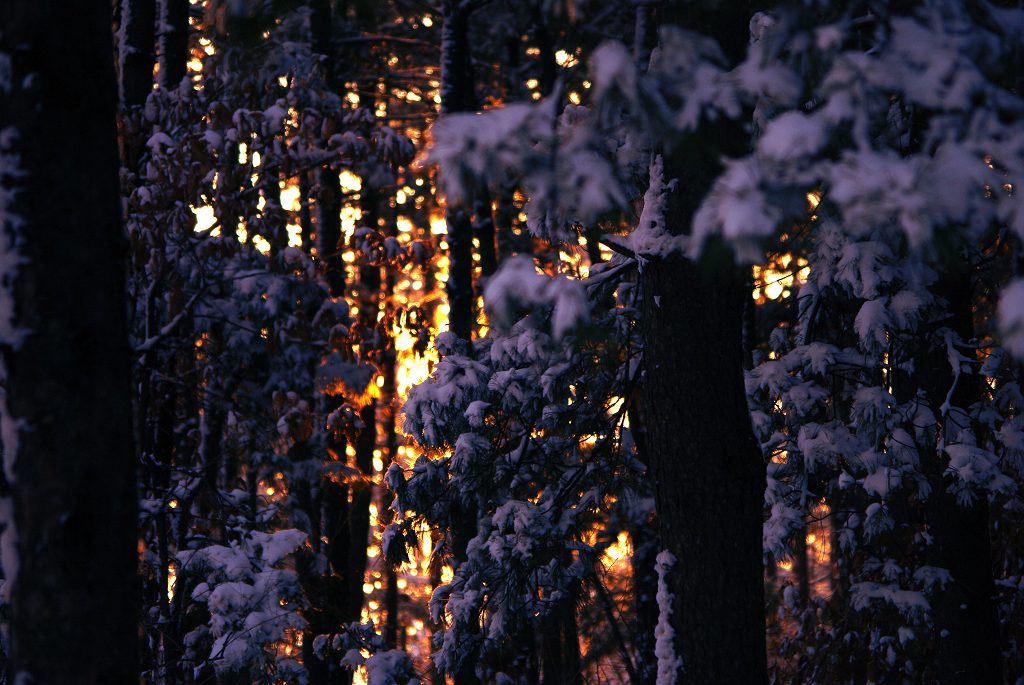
(664, 634)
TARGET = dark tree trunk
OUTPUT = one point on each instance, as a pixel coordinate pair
(504, 219)
(322, 29)
(391, 440)
(328, 231)
(307, 495)
(460, 272)
(708, 472)
(138, 38)
(70, 472)
(964, 612)
(207, 495)
(336, 527)
(274, 221)
(305, 217)
(163, 456)
(366, 440)
(508, 243)
(359, 512)
(801, 567)
(333, 611)
(328, 200)
(173, 42)
(136, 59)
(560, 647)
(307, 491)
(708, 469)
(483, 230)
(458, 95)
(546, 55)
(644, 537)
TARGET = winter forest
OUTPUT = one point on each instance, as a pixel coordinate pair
(511, 342)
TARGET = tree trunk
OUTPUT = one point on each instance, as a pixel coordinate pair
(173, 42)
(391, 440)
(483, 230)
(708, 472)
(801, 567)
(457, 95)
(136, 58)
(274, 220)
(708, 469)
(70, 544)
(460, 272)
(328, 199)
(964, 612)
(560, 647)
(333, 611)
(305, 216)
(359, 511)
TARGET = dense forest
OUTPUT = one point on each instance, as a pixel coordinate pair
(511, 342)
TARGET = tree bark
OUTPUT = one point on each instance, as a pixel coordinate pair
(274, 220)
(385, 513)
(136, 58)
(483, 230)
(708, 469)
(328, 200)
(964, 612)
(173, 42)
(457, 95)
(136, 55)
(333, 610)
(359, 511)
(560, 647)
(68, 453)
(708, 472)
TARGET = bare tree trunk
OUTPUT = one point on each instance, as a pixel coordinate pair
(136, 59)
(328, 200)
(305, 217)
(334, 509)
(328, 231)
(546, 52)
(366, 440)
(964, 612)
(504, 217)
(70, 536)
(173, 42)
(457, 95)
(508, 243)
(164, 458)
(483, 231)
(136, 55)
(708, 469)
(359, 511)
(707, 466)
(274, 220)
(460, 272)
(560, 648)
(391, 440)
